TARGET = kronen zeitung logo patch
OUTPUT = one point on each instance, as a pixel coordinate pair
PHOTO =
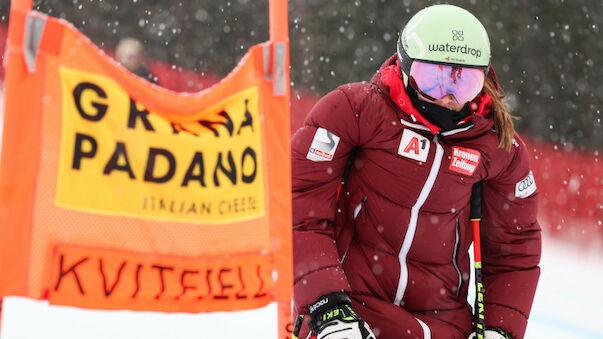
(464, 160)
(119, 158)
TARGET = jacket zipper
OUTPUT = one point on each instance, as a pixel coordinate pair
(455, 259)
(414, 215)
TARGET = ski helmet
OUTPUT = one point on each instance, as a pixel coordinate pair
(444, 34)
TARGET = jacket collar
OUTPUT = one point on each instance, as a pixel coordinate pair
(389, 81)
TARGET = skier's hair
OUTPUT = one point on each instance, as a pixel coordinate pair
(503, 119)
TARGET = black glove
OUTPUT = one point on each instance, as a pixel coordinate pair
(332, 317)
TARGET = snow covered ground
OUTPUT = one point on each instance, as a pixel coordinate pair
(569, 297)
(24, 318)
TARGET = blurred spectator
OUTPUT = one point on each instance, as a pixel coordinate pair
(130, 53)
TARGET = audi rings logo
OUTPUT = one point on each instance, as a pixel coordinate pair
(526, 186)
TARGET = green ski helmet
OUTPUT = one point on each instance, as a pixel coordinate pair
(444, 34)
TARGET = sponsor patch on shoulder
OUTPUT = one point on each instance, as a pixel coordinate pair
(526, 186)
(323, 146)
(464, 160)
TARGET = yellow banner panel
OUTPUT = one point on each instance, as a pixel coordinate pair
(139, 164)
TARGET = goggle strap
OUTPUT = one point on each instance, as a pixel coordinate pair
(403, 58)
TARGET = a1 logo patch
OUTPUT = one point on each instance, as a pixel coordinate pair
(414, 146)
(464, 160)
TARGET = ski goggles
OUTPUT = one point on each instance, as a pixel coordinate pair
(435, 81)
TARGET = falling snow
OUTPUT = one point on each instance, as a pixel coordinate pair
(548, 59)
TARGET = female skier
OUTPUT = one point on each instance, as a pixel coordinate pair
(385, 255)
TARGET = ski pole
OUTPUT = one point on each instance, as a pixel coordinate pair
(297, 327)
(475, 215)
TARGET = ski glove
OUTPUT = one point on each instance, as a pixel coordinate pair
(332, 317)
(492, 333)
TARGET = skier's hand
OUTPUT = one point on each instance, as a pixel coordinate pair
(492, 333)
(332, 317)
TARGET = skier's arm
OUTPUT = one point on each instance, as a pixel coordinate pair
(316, 178)
(511, 244)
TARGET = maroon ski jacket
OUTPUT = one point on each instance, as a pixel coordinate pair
(396, 237)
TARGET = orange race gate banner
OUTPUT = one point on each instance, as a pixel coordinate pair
(116, 194)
